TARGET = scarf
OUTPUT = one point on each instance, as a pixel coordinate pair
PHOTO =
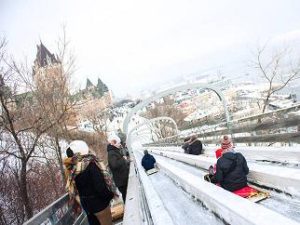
(77, 164)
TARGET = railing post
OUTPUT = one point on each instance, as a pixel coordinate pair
(53, 218)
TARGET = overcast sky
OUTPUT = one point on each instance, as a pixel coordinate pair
(134, 45)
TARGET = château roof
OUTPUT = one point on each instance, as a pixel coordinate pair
(44, 57)
(88, 83)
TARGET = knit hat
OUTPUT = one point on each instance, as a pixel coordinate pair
(186, 139)
(226, 143)
(114, 137)
(78, 146)
(193, 137)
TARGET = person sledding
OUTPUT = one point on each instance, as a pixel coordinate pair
(232, 169)
(192, 145)
(149, 163)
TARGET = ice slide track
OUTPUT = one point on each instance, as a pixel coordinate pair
(279, 202)
(279, 178)
(230, 208)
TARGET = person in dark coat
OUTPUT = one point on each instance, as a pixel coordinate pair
(186, 144)
(232, 168)
(88, 178)
(148, 161)
(119, 166)
(195, 146)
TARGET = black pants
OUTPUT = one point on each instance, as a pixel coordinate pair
(123, 190)
(92, 219)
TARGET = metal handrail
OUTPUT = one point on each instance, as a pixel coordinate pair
(244, 131)
(58, 213)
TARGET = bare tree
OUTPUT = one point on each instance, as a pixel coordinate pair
(98, 117)
(162, 109)
(163, 129)
(278, 69)
(60, 130)
(29, 110)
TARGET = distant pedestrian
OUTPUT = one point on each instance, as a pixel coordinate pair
(118, 164)
(90, 179)
(148, 161)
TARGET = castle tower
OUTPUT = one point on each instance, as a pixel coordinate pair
(47, 70)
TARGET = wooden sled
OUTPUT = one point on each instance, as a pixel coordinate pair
(259, 197)
(250, 193)
(117, 211)
(152, 171)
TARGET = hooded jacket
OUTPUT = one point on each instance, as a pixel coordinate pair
(195, 148)
(148, 162)
(118, 165)
(232, 170)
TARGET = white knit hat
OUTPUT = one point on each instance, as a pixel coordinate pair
(114, 137)
(79, 146)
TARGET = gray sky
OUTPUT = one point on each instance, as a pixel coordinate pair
(134, 45)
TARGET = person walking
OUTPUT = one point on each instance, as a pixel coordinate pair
(89, 179)
(118, 164)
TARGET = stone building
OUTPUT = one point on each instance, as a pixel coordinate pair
(49, 77)
(48, 73)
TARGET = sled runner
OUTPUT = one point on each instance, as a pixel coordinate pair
(152, 171)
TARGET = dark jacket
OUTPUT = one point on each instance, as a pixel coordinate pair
(185, 147)
(93, 192)
(195, 148)
(148, 162)
(118, 165)
(232, 171)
